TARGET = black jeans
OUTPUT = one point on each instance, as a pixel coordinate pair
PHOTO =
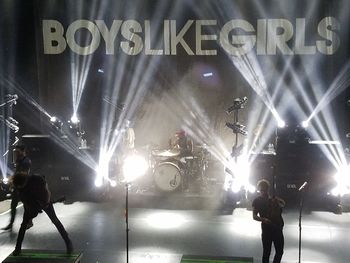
(29, 215)
(272, 235)
(14, 202)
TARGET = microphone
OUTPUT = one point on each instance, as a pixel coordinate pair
(302, 186)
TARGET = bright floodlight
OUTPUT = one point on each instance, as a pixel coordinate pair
(102, 172)
(239, 178)
(342, 178)
(74, 119)
(134, 166)
(113, 183)
(281, 123)
(305, 124)
(208, 74)
(98, 182)
(53, 119)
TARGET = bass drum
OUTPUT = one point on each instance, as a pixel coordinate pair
(167, 176)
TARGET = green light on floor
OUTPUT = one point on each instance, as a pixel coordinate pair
(45, 256)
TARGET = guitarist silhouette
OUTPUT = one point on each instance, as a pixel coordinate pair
(268, 211)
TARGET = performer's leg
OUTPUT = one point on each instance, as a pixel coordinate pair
(50, 211)
(14, 202)
(279, 244)
(22, 231)
(266, 239)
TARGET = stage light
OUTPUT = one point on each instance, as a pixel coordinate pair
(100, 70)
(281, 123)
(74, 119)
(305, 124)
(238, 103)
(98, 182)
(342, 178)
(251, 188)
(237, 128)
(102, 170)
(134, 166)
(237, 175)
(208, 74)
(113, 183)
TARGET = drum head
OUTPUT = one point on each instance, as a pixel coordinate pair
(167, 176)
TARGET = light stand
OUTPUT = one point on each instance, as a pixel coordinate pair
(237, 129)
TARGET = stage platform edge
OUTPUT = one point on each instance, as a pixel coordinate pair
(44, 256)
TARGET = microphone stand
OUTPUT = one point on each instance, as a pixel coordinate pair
(300, 215)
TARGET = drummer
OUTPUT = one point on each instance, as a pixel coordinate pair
(182, 143)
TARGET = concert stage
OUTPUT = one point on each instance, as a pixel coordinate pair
(164, 235)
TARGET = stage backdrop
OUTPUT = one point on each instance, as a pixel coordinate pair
(167, 65)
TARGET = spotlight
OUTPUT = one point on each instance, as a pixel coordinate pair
(113, 183)
(98, 182)
(237, 128)
(281, 124)
(237, 176)
(12, 120)
(238, 103)
(10, 123)
(100, 70)
(208, 74)
(5, 180)
(10, 100)
(342, 178)
(305, 124)
(102, 171)
(56, 122)
(134, 166)
(74, 119)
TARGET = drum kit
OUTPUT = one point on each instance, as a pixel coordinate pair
(173, 172)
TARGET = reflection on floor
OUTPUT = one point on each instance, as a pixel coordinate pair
(164, 235)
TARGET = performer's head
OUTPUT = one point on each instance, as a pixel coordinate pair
(263, 187)
(19, 180)
(180, 133)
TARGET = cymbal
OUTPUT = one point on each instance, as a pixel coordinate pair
(166, 153)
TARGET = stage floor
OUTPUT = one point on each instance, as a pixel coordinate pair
(163, 235)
